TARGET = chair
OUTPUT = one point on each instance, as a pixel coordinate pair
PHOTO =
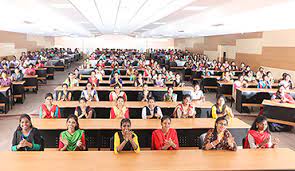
(112, 143)
(201, 140)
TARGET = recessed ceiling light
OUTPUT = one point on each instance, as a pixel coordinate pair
(159, 23)
(28, 22)
(62, 6)
(194, 8)
(217, 25)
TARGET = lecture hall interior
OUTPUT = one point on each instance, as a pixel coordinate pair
(115, 84)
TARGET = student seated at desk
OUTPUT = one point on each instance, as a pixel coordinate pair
(178, 82)
(89, 93)
(116, 80)
(259, 135)
(73, 139)
(77, 74)
(100, 64)
(185, 109)
(287, 82)
(282, 97)
(64, 95)
(249, 77)
(159, 81)
(170, 96)
(39, 64)
(126, 140)
(71, 81)
(5, 81)
(151, 111)
(47, 109)
(120, 110)
(139, 81)
(165, 138)
(14, 62)
(6, 69)
(26, 137)
(17, 75)
(83, 110)
(99, 73)
(116, 93)
(226, 76)
(219, 138)
(170, 76)
(260, 73)
(93, 79)
(30, 71)
(264, 83)
(145, 94)
(270, 77)
(240, 83)
(197, 94)
(220, 109)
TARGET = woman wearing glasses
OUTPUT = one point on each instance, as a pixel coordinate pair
(126, 140)
(219, 138)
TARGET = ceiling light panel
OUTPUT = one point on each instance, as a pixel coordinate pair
(88, 9)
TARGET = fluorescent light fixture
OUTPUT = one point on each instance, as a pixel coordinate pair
(62, 6)
(194, 8)
(159, 23)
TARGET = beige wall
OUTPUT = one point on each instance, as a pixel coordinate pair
(113, 41)
(274, 50)
(12, 43)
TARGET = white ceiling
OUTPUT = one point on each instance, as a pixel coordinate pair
(145, 18)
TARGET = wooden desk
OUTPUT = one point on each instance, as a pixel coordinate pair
(284, 112)
(99, 131)
(50, 72)
(5, 98)
(132, 92)
(31, 82)
(18, 90)
(42, 75)
(245, 159)
(102, 109)
(225, 87)
(254, 97)
(209, 82)
(107, 71)
(107, 77)
(125, 83)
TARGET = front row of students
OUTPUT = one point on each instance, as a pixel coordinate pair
(28, 138)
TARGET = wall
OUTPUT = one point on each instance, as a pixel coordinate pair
(113, 41)
(12, 43)
(273, 50)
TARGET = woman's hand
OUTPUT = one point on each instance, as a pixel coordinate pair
(79, 143)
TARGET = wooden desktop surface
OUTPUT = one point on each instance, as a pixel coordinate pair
(114, 124)
(277, 104)
(124, 82)
(245, 159)
(130, 104)
(107, 88)
(262, 90)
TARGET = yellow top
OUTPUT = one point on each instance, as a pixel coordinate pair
(117, 142)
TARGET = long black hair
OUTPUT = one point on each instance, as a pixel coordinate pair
(76, 119)
(22, 117)
(259, 119)
(222, 118)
